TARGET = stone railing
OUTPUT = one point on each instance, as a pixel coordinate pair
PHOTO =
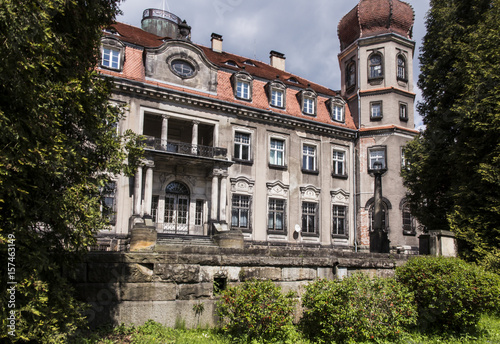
(185, 148)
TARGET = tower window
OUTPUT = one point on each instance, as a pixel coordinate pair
(376, 111)
(375, 63)
(350, 75)
(403, 111)
(401, 72)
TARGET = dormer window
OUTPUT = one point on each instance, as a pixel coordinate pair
(249, 63)
(401, 74)
(276, 92)
(231, 63)
(242, 85)
(293, 80)
(182, 68)
(112, 53)
(308, 99)
(375, 65)
(337, 109)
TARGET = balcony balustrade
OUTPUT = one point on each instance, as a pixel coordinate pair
(185, 148)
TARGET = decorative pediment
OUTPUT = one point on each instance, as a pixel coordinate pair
(339, 196)
(242, 184)
(181, 62)
(310, 192)
(277, 188)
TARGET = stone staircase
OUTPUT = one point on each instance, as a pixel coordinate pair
(177, 243)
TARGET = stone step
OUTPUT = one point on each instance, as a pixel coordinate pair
(184, 240)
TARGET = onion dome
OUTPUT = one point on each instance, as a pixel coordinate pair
(376, 17)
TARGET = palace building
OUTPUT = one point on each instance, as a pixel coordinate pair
(242, 153)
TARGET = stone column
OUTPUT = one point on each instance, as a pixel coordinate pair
(223, 197)
(148, 190)
(194, 138)
(138, 191)
(215, 197)
(164, 131)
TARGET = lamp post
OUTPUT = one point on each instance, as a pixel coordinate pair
(379, 243)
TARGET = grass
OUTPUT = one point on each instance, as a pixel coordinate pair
(155, 333)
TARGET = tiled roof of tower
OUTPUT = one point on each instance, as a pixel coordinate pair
(375, 17)
(134, 70)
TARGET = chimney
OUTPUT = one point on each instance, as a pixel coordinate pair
(277, 60)
(216, 42)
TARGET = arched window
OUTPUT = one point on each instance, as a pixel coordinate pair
(375, 65)
(407, 219)
(176, 216)
(386, 207)
(350, 74)
(401, 71)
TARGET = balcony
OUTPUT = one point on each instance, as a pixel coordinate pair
(183, 148)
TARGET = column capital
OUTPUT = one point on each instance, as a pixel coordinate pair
(165, 116)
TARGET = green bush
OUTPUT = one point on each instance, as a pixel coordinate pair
(451, 294)
(357, 309)
(256, 310)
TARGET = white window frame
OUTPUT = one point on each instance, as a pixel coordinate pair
(374, 114)
(238, 153)
(377, 154)
(309, 157)
(274, 211)
(277, 97)
(240, 208)
(274, 159)
(306, 214)
(243, 89)
(308, 106)
(336, 161)
(375, 70)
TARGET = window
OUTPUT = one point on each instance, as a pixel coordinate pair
(154, 207)
(338, 163)
(403, 111)
(338, 113)
(309, 158)
(277, 152)
(401, 72)
(277, 98)
(307, 99)
(350, 74)
(375, 65)
(243, 90)
(376, 110)
(339, 219)
(182, 68)
(309, 217)
(240, 212)
(242, 85)
(198, 215)
(407, 220)
(276, 93)
(109, 202)
(377, 158)
(276, 215)
(111, 58)
(308, 106)
(241, 146)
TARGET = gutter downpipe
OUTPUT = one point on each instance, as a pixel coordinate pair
(355, 162)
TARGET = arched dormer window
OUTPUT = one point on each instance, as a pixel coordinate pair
(337, 109)
(308, 101)
(401, 68)
(276, 93)
(350, 75)
(375, 65)
(242, 83)
(112, 54)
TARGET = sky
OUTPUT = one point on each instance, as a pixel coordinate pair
(304, 30)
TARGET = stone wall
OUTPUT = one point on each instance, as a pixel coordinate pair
(133, 287)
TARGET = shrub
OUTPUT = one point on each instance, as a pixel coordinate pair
(357, 309)
(256, 310)
(451, 294)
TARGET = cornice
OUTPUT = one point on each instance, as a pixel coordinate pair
(385, 90)
(140, 89)
(388, 129)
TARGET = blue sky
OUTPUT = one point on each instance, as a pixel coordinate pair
(305, 31)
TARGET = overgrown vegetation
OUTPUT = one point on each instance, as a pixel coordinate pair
(357, 309)
(257, 310)
(451, 295)
(59, 151)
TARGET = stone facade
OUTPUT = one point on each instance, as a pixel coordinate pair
(131, 288)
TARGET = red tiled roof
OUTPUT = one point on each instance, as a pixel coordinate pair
(133, 69)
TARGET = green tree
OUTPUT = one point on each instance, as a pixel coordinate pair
(59, 149)
(454, 166)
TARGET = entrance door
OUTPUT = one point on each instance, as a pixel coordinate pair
(176, 209)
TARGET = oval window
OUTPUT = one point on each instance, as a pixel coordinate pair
(182, 68)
